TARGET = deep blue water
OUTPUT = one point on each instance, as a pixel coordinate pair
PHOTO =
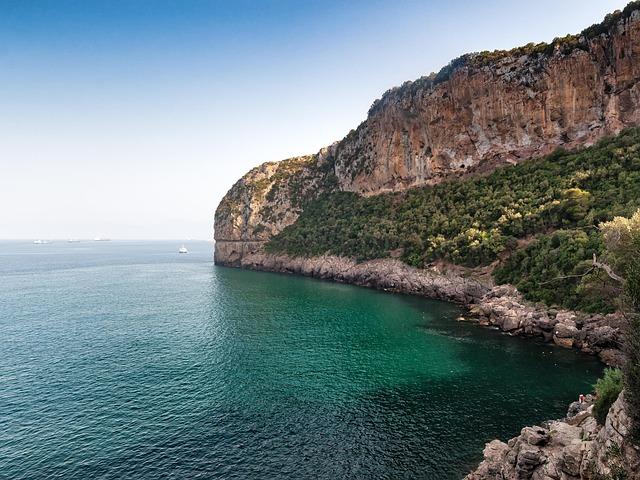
(125, 360)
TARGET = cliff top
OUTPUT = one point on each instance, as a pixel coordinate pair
(540, 51)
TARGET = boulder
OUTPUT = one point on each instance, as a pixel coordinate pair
(536, 436)
(563, 342)
(572, 449)
(528, 459)
(571, 458)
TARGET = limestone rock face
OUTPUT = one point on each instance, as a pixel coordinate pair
(264, 201)
(482, 111)
(513, 108)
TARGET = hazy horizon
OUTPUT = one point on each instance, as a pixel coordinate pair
(131, 119)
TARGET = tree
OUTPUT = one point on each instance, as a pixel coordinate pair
(632, 367)
(622, 240)
(576, 203)
(607, 389)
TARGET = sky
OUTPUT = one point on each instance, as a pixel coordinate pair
(132, 118)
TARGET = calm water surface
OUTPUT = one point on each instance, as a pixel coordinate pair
(125, 360)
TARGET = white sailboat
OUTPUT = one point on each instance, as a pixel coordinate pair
(183, 249)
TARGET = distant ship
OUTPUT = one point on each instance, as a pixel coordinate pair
(183, 249)
(40, 242)
(73, 240)
(100, 239)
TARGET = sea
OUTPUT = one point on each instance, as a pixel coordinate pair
(128, 360)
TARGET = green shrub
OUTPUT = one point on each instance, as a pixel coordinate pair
(622, 240)
(553, 268)
(607, 390)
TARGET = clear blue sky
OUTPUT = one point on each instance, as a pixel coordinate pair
(131, 119)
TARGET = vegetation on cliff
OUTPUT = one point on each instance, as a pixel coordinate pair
(557, 269)
(551, 206)
(607, 388)
(632, 367)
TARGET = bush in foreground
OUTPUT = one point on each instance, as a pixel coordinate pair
(622, 239)
(607, 389)
(632, 366)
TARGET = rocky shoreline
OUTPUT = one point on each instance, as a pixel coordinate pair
(385, 274)
(504, 308)
(500, 307)
(575, 447)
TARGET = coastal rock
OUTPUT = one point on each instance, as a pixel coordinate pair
(566, 449)
(505, 308)
(536, 436)
(495, 464)
(385, 274)
(611, 450)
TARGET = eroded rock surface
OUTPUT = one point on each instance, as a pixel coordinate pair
(569, 449)
(384, 274)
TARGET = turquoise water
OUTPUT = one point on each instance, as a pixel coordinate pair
(126, 360)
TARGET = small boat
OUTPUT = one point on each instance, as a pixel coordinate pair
(183, 249)
(73, 240)
(100, 239)
(40, 242)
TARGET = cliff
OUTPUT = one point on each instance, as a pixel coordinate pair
(481, 111)
(264, 201)
(413, 201)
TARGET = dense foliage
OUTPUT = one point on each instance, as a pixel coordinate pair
(607, 390)
(557, 269)
(475, 221)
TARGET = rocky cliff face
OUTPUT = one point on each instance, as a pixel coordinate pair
(264, 201)
(489, 112)
(481, 111)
